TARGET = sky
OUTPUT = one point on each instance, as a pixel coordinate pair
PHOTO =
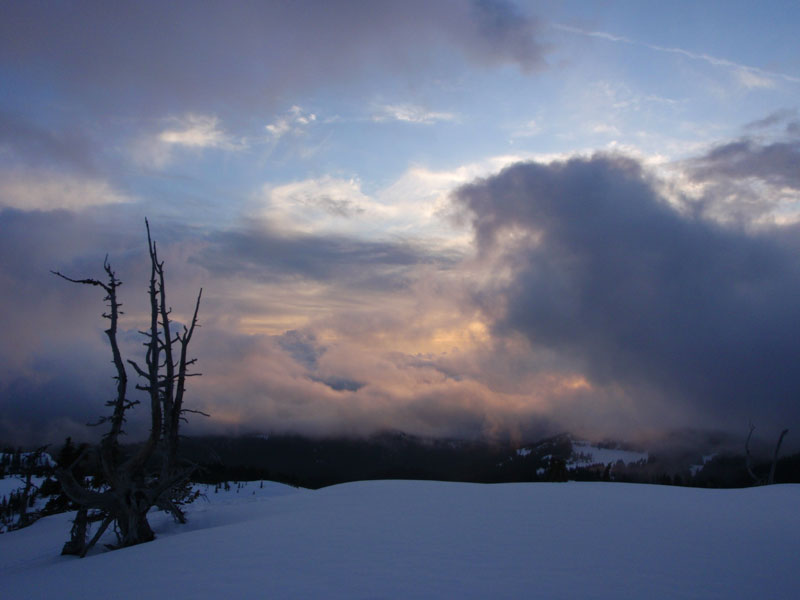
(454, 219)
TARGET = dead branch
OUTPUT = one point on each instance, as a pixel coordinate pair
(749, 458)
(133, 486)
(771, 478)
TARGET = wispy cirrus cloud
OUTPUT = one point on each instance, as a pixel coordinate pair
(410, 113)
(748, 76)
(294, 122)
(526, 129)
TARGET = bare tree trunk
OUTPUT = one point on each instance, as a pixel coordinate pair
(749, 459)
(133, 486)
(86, 547)
(771, 478)
(132, 519)
(22, 521)
(76, 545)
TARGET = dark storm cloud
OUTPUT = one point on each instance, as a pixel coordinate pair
(30, 143)
(775, 118)
(505, 34)
(420, 361)
(603, 270)
(339, 384)
(34, 242)
(55, 370)
(264, 255)
(193, 55)
(303, 347)
(55, 396)
(776, 162)
(743, 180)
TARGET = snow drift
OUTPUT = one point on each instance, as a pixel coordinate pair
(411, 539)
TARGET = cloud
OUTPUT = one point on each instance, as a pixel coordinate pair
(774, 118)
(409, 113)
(292, 123)
(752, 180)
(528, 129)
(192, 132)
(314, 334)
(605, 129)
(324, 204)
(264, 254)
(54, 368)
(154, 58)
(775, 162)
(506, 35)
(585, 301)
(756, 79)
(27, 189)
(418, 204)
(414, 206)
(590, 305)
(303, 347)
(197, 131)
(747, 76)
(24, 142)
(683, 315)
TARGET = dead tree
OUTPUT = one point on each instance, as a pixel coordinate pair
(150, 476)
(29, 463)
(749, 459)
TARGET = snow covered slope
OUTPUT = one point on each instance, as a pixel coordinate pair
(585, 454)
(409, 539)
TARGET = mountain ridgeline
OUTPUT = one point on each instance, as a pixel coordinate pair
(316, 463)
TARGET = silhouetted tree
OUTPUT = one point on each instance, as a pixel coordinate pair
(133, 485)
(770, 479)
(557, 470)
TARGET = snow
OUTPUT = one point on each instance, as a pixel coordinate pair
(12, 483)
(524, 451)
(413, 539)
(695, 469)
(43, 460)
(16, 483)
(585, 454)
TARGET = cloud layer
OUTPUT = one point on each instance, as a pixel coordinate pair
(297, 161)
(205, 57)
(588, 301)
(677, 309)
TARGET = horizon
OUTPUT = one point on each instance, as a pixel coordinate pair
(466, 219)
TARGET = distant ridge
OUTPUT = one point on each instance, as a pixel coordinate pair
(688, 459)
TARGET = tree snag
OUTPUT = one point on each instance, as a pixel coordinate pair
(749, 458)
(153, 474)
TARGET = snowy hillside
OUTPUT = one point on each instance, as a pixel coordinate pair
(585, 454)
(577, 454)
(410, 539)
(40, 459)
